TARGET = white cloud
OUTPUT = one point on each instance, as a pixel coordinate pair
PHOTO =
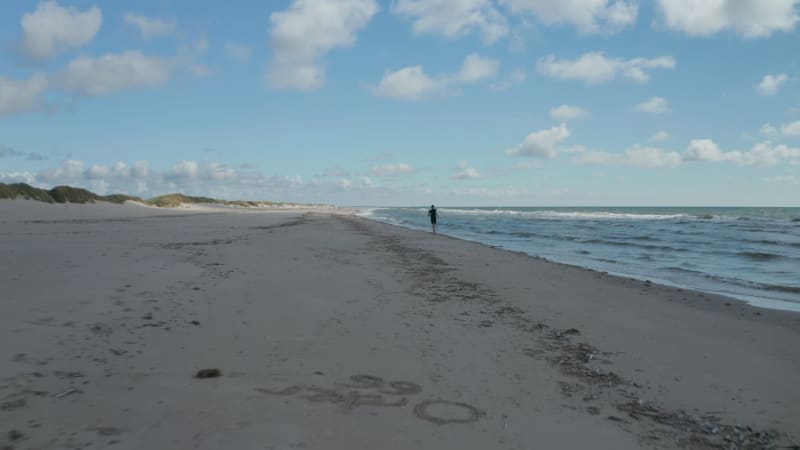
(207, 179)
(18, 177)
(219, 172)
(302, 35)
(651, 157)
(655, 105)
(150, 27)
(97, 172)
(408, 83)
(412, 83)
(185, 170)
(101, 178)
(636, 155)
(567, 113)
(791, 129)
(105, 173)
(704, 150)
(388, 170)
(768, 131)
(465, 172)
(762, 154)
(52, 29)
(454, 18)
(192, 172)
(21, 95)
(67, 171)
(751, 18)
(589, 16)
(516, 77)
(660, 136)
(595, 67)
(114, 72)
(476, 68)
(698, 151)
(238, 52)
(770, 84)
(542, 143)
(140, 169)
(767, 154)
(347, 183)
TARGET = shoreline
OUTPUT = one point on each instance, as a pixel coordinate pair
(623, 279)
(755, 301)
(334, 331)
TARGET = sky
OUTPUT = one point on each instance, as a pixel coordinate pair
(407, 102)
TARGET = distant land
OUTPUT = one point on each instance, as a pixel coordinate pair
(70, 194)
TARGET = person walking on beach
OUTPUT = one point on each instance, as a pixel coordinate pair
(432, 214)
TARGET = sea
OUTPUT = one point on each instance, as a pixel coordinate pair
(751, 254)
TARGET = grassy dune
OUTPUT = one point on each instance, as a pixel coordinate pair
(69, 194)
(59, 194)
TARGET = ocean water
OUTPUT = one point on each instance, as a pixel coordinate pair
(752, 254)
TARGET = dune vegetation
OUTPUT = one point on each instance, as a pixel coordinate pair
(69, 194)
(59, 194)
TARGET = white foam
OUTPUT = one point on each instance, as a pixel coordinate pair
(551, 214)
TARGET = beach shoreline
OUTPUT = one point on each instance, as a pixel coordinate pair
(651, 281)
(335, 331)
(744, 253)
(758, 304)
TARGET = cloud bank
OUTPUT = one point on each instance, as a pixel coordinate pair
(597, 68)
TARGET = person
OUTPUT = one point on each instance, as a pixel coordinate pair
(432, 214)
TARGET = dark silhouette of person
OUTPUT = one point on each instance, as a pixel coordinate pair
(433, 215)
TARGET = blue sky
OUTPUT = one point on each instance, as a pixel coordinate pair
(367, 102)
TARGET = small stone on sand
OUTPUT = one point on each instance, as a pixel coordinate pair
(208, 373)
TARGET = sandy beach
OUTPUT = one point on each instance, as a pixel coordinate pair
(331, 331)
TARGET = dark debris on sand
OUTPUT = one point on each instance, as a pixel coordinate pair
(706, 432)
(208, 373)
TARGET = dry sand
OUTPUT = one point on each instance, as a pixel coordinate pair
(335, 332)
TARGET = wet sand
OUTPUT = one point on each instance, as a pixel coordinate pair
(336, 332)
